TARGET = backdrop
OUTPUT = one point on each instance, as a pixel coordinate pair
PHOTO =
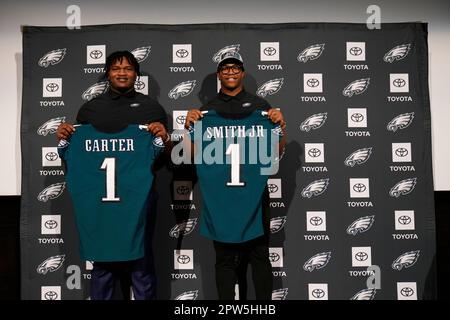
(352, 213)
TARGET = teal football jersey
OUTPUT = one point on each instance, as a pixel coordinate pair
(234, 158)
(109, 178)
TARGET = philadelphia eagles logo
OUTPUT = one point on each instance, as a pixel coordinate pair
(317, 261)
(315, 188)
(62, 147)
(277, 131)
(406, 260)
(53, 191)
(188, 295)
(141, 53)
(360, 225)
(313, 122)
(277, 223)
(95, 90)
(280, 294)
(401, 121)
(270, 87)
(51, 58)
(158, 142)
(51, 264)
(359, 156)
(217, 56)
(311, 53)
(183, 228)
(356, 87)
(50, 126)
(397, 53)
(182, 89)
(403, 187)
(365, 294)
(62, 144)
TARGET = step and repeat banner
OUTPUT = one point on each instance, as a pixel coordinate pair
(352, 212)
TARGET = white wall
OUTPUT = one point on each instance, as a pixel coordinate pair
(13, 14)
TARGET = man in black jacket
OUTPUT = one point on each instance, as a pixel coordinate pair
(111, 112)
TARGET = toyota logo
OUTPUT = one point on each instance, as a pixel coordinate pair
(96, 54)
(183, 190)
(51, 156)
(316, 221)
(401, 152)
(404, 220)
(357, 117)
(273, 256)
(399, 83)
(183, 259)
(407, 292)
(139, 85)
(361, 256)
(272, 187)
(318, 293)
(270, 51)
(314, 152)
(52, 87)
(51, 224)
(181, 119)
(182, 53)
(51, 295)
(355, 51)
(359, 187)
(312, 83)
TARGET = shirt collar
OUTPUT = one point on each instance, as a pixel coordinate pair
(225, 97)
(116, 95)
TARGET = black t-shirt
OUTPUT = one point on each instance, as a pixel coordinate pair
(236, 107)
(113, 112)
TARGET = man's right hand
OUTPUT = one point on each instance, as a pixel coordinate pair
(192, 117)
(64, 131)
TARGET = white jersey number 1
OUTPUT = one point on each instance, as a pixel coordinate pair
(109, 164)
(233, 150)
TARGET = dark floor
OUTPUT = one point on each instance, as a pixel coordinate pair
(10, 253)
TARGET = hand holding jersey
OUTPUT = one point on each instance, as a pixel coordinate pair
(109, 178)
(234, 159)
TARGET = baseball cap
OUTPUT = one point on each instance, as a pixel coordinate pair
(230, 57)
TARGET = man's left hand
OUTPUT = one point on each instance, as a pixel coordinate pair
(276, 116)
(158, 130)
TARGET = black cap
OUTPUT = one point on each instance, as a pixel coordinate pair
(230, 57)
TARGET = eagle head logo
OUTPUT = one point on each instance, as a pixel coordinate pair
(182, 89)
(51, 58)
(311, 53)
(270, 87)
(356, 87)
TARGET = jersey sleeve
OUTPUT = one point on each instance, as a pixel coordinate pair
(63, 147)
(158, 146)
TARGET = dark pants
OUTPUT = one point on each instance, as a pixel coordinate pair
(106, 275)
(229, 258)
